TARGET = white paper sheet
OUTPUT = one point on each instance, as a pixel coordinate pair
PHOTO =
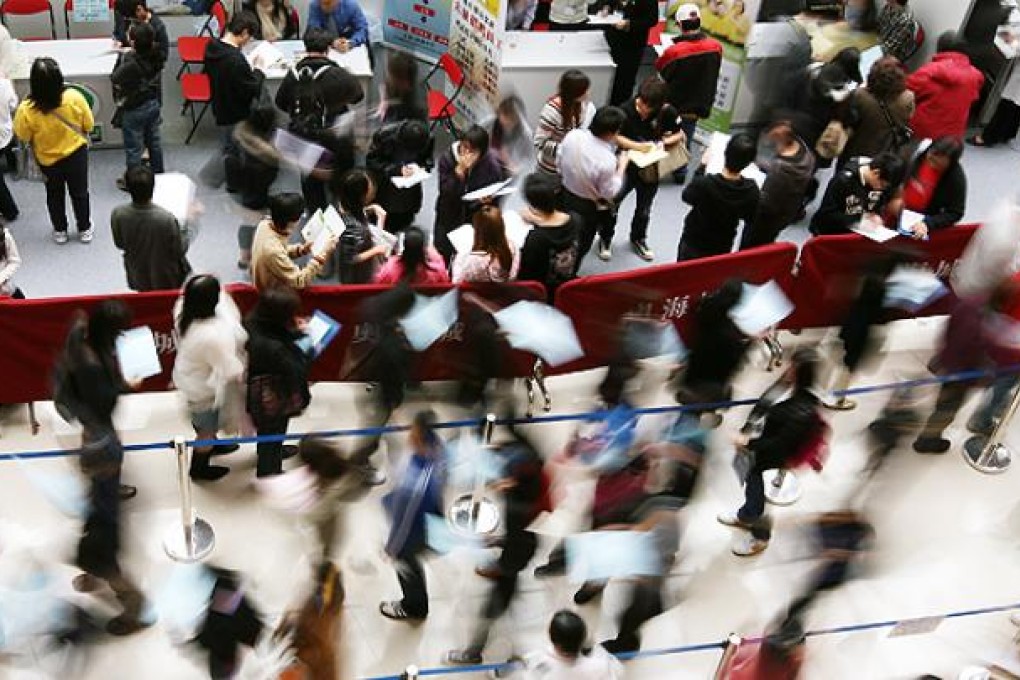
(137, 355)
(321, 228)
(305, 155)
(607, 20)
(912, 288)
(539, 328)
(517, 229)
(498, 189)
(419, 176)
(875, 231)
(715, 159)
(600, 555)
(908, 218)
(265, 56)
(313, 225)
(381, 237)
(175, 193)
(760, 308)
(462, 238)
(643, 159)
(429, 319)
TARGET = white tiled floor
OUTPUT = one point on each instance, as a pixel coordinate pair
(947, 541)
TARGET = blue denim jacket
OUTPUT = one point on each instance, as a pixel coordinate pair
(348, 21)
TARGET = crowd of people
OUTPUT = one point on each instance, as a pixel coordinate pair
(893, 139)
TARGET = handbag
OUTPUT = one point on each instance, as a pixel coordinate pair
(677, 156)
(900, 134)
(832, 141)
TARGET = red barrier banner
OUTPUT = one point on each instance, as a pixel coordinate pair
(596, 304)
(32, 334)
(830, 266)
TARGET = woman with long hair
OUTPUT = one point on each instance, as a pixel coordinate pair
(276, 19)
(492, 257)
(570, 108)
(417, 263)
(136, 82)
(357, 252)
(209, 366)
(936, 188)
(56, 120)
(510, 136)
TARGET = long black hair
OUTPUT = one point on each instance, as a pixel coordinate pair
(46, 84)
(201, 295)
(353, 191)
(413, 255)
(143, 41)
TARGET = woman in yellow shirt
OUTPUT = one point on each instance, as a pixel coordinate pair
(56, 121)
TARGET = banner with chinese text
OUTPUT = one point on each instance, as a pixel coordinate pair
(421, 27)
(477, 31)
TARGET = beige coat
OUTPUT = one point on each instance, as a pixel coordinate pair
(272, 261)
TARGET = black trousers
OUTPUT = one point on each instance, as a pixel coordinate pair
(315, 194)
(519, 549)
(411, 576)
(1004, 125)
(628, 62)
(645, 603)
(645, 196)
(270, 454)
(71, 174)
(593, 221)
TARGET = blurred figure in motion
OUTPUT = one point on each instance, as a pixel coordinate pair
(231, 622)
(567, 657)
(313, 631)
(525, 491)
(338, 482)
(260, 163)
(511, 136)
(778, 656)
(898, 418)
(1003, 331)
(398, 150)
(717, 349)
(789, 424)
(419, 492)
(88, 385)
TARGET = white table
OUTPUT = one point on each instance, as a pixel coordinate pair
(534, 61)
(86, 63)
(356, 61)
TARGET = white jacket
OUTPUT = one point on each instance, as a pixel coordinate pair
(549, 665)
(992, 254)
(210, 357)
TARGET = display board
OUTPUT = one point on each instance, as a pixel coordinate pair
(421, 27)
(477, 34)
(729, 22)
(90, 10)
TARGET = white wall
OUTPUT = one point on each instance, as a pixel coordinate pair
(937, 17)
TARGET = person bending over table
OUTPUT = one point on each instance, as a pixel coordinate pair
(862, 189)
(936, 187)
(343, 17)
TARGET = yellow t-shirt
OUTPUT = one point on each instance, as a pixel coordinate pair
(51, 139)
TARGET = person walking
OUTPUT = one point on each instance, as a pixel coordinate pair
(277, 372)
(209, 368)
(149, 236)
(137, 85)
(56, 121)
(418, 493)
(88, 385)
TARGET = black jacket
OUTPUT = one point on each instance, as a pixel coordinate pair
(949, 200)
(717, 206)
(642, 15)
(549, 255)
(846, 200)
(234, 82)
(340, 89)
(386, 158)
(788, 424)
(690, 68)
(137, 80)
(277, 364)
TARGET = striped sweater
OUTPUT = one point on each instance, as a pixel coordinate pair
(552, 129)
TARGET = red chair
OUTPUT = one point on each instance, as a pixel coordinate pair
(69, 10)
(442, 109)
(295, 17)
(191, 48)
(24, 8)
(196, 88)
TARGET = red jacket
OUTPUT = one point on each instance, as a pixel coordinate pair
(944, 90)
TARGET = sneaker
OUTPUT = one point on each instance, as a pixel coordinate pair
(464, 657)
(731, 519)
(983, 428)
(587, 593)
(374, 476)
(60, 237)
(839, 404)
(931, 445)
(605, 250)
(395, 610)
(749, 547)
(643, 251)
(124, 625)
(86, 236)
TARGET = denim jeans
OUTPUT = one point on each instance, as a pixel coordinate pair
(995, 403)
(141, 131)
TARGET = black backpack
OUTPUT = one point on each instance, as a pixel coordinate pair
(308, 116)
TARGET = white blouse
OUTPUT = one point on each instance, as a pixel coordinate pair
(9, 265)
(210, 356)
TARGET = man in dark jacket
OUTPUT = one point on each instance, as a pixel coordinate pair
(468, 165)
(149, 236)
(128, 12)
(233, 84)
(315, 107)
(628, 39)
(691, 69)
(863, 187)
(396, 148)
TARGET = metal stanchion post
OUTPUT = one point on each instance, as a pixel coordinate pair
(474, 513)
(410, 673)
(781, 487)
(194, 538)
(990, 454)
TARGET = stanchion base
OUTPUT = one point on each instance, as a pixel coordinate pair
(203, 540)
(471, 515)
(996, 463)
(787, 494)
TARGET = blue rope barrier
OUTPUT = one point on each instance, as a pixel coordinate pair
(708, 646)
(560, 418)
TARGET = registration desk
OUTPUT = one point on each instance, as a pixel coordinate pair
(534, 61)
(86, 65)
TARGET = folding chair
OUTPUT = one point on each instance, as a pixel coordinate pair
(191, 48)
(442, 109)
(24, 8)
(69, 11)
(196, 88)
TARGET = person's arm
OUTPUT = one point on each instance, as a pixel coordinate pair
(87, 121)
(831, 216)
(529, 15)
(451, 184)
(751, 205)
(534, 259)
(316, 17)
(548, 122)
(249, 80)
(359, 33)
(609, 183)
(117, 229)
(285, 95)
(298, 249)
(161, 37)
(694, 192)
(13, 261)
(955, 200)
